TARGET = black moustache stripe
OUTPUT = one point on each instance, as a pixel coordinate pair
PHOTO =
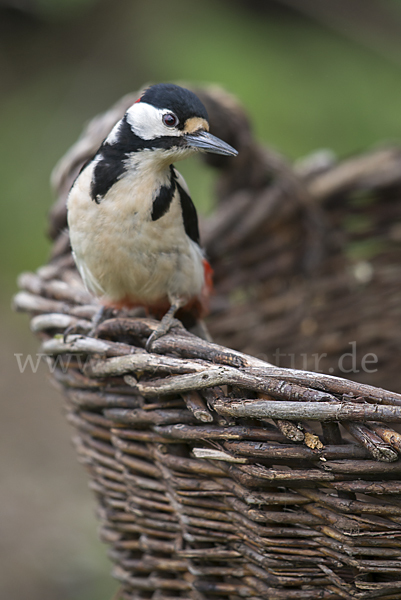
(112, 158)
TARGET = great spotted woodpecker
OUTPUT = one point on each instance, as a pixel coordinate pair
(133, 226)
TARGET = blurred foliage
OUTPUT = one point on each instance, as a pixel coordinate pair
(56, 10)
(304, 86)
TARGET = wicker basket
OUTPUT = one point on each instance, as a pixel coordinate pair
(219, 475)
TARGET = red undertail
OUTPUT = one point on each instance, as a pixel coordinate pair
(195, 309)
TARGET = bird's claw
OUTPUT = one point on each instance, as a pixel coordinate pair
(162, 329)
(75, 329)
(150, 341)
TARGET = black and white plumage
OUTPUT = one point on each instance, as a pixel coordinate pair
(133, 226)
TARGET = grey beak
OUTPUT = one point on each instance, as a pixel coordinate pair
(209, 143)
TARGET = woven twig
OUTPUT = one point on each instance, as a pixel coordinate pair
(170, 477)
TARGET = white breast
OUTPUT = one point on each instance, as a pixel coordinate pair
(121, 252)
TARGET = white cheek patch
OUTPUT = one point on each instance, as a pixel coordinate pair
(146, 121)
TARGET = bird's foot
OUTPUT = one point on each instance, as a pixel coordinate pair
(167, 323)
(101, 315)
(104, 313)
(81, 327)
(161, 330)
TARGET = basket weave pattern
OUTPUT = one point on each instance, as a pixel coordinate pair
(219, 475)
(209, 480)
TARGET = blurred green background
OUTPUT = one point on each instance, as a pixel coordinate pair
(311, 74)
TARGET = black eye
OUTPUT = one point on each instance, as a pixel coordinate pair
(170, 120)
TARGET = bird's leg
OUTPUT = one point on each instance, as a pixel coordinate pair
(166, 323)
(104, 313)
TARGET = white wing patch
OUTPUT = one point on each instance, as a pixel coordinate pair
(90, 282)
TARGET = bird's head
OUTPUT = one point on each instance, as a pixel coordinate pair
(170, 119)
